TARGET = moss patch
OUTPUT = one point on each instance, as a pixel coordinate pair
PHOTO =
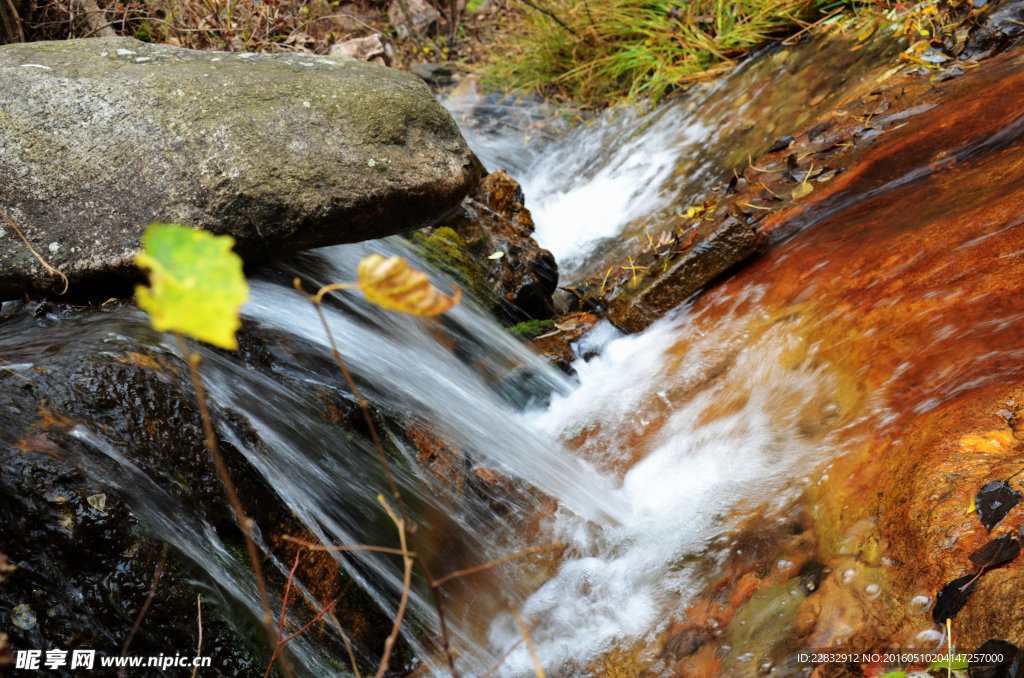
(531, 329)
(445, 249)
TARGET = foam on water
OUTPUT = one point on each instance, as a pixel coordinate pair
(590, 185)
(697, 460)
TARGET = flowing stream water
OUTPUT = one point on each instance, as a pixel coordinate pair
(652, 453)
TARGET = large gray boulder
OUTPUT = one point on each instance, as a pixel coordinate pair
(100, 137)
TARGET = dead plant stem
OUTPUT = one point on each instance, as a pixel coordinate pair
(551, 15)
(229, 488)
(54, 273)
(389, 644)
(145, 607)
(199, 623)
(525, 630)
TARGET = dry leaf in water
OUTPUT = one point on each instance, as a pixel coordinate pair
(391, 284)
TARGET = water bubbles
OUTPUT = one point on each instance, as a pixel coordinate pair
(920, 604)
(872, 591)
(847, 576)
(784, 564)
(927, 639)
(745, 658)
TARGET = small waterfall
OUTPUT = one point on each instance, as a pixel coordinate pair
(651, 452)
(594, 188)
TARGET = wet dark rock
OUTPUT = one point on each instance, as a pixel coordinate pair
(85, 561)
(497, 231)
(446, 463)
(994, 501)
(685, 643)
(494, 490)
(557, 344)
(84, 567)
(1001, 28)
(997, 659)
(103, 136)
(731, 243)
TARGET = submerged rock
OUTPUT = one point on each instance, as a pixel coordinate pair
(726, 245)
(100, 137)
(123, 422)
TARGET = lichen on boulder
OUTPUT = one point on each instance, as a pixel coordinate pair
(100, 137)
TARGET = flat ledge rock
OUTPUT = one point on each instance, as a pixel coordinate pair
(100, 137)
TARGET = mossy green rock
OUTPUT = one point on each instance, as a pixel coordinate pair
(448, 251)
(100, 137)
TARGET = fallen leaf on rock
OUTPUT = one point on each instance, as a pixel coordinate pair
(997, 552)
(994, 501)
(801, 190)
(98, 502)
(945, 667)
(953, 597)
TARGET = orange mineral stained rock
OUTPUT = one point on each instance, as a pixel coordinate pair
(905, 272)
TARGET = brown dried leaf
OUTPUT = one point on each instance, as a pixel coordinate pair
(391, 284)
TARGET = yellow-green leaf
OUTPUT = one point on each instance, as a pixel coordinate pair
(196, 283)
(98, 502)
(390, 283)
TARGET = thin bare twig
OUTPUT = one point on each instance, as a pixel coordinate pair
(145, 607)
(548, 13)
(494, 563)
(12, 22)
(348, 644)
(537, 668)
(281, 640)
(364, 405)
(244, 523)
(54, 273)
(360, 547)
(453, 24)
(389, 644)
(96, 20)
(510, 650)
(199, 621)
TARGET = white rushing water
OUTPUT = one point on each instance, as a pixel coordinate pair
(584, 186)
(703, 443)
(650, 451)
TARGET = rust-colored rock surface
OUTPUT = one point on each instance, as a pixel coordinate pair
(891, 245)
